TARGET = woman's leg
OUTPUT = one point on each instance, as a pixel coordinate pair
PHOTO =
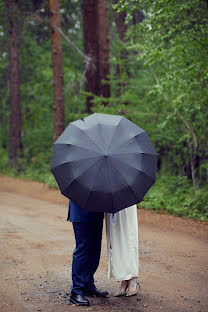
(132, 287)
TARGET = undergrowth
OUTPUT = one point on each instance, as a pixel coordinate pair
(170, 194)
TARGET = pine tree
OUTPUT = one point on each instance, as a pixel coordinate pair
(95, 17)
(14, 80)
(103, 42)
(55, 19)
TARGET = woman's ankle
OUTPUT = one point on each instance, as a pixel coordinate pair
(132, 283)
(124, 285)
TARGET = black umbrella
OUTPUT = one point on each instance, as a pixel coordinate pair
(104, 163)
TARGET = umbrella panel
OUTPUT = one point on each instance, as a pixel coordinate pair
(66, 173)
(137, 180)
(145, 163)
(76, 136)
(63, 153)
(134, 145)
(81, 187)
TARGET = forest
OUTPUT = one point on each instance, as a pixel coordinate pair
(143, 59)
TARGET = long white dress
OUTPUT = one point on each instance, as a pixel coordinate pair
(122, 243)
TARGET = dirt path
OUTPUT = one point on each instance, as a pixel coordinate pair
(36, 244)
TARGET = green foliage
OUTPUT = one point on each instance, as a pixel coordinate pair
(174, 195)
(167, 86)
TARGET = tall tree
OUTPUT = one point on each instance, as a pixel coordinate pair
(103, 43)
(91, 50)
(55, 19)
(121, 29)
(95, 17)
(14, 68)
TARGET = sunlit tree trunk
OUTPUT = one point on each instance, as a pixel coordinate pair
(103, 42)
(57, 68)
(14, 74)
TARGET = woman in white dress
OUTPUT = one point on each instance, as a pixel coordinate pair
(122, 249)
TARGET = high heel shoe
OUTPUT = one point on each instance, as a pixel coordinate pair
(121, 292)
(133, 288)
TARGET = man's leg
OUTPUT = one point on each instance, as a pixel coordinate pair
(80, 257)
(86, 258)
(93, 260)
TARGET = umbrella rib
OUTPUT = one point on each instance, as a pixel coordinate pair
(72, 161)
(113, 136)
(127, 183)
(89, 138)
(109, 180)
(134, 168)
(93, 185)
(133, 154)
(87, 149)
(100, 132)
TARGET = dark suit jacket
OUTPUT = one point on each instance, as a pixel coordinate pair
(77, 214)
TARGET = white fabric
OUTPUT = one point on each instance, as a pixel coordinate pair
(122, 237)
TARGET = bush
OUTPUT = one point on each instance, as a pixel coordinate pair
(174, 195)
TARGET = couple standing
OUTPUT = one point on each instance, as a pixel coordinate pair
(122, 248)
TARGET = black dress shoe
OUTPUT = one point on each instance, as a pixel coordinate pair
(96, 293)
(79, 299)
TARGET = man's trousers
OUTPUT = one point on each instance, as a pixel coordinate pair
(86, 255)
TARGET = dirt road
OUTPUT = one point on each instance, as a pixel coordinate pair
(36, 245)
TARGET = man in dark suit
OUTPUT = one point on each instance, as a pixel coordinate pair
(86, 256)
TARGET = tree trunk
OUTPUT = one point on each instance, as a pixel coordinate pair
(103, 43)
(91, 50)
(138, 17)
(121, 68)
(14, 72)
(55, 19)
(193, 162)
(95, 19)
(121, 28)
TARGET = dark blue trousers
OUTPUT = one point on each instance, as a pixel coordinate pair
(86, 255)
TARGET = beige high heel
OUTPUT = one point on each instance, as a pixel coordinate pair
(133, 286)
(121, 292)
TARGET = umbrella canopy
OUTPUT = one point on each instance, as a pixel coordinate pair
(104, 163)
